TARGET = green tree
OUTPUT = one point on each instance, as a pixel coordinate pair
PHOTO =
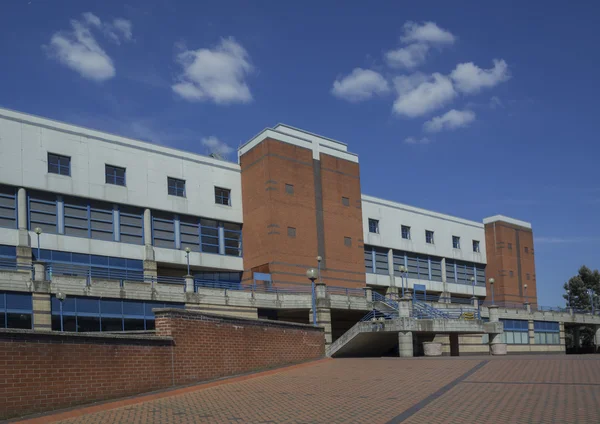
(577, 295)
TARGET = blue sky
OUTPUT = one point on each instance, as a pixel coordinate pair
(467, 108)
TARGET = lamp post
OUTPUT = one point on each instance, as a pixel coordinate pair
(525, 287)
(319, 259)
(402, 270)
(38, 231)
(492, 281)
(312, 275)
(61, 297)
(473, 284)
(187, 257)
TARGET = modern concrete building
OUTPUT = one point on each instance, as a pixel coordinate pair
(98, 229)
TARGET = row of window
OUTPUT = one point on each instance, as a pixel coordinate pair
(83, 314)
(429, 235)
(423, 267)
(79, 217)
(116, 175)
(517, 332)
(16, 310)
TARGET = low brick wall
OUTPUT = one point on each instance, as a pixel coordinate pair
(209, 346)
(42, 371)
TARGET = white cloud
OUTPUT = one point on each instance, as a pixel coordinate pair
(217, 74)
(419, 95)
(469, 78)
(563, 240)
(79, 49)
(450, 120)
(361, 84)
(214, 145)
(414, 140)
(427, 32)
(408, 57)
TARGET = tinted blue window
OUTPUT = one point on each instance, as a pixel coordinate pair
(9, 251)
(2, 303)
(99, 260)
(112, 307)
(61, 256)
(117, 262)
(21, 301)
(87, 306)
(80, 258)
(152, 305)
(135, 264)
(133, 308)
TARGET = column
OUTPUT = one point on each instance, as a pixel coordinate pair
(150, 267)
(405, 344)
(561, 336)
(445, 293)
(368, 293)
(531, 331)
(42, 318)
(323, 312)
(393, 289)
(221, 239)
(189, 284)
(496, 345)
(405, 306)
(24, 241)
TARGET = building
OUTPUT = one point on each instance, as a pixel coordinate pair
(124, 226)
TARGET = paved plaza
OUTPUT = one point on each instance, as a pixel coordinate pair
(514, 389)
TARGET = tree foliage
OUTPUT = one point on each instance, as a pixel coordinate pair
(576, 289)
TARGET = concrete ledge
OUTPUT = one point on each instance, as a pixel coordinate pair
(16, 335)
(203, 316)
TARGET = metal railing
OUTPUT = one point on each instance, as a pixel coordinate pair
(11, 264)
(422, 310)
(386, 300)
(379, 315)
(214, 284)
(345, 291)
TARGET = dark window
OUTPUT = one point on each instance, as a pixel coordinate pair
(405, 232)
(114, 175)
(429, 236)
(289, 188)
(348, 241)
(526, 249)
(222, 196)
(291, 232)
(509, 246)
(456, 242)
(15, 310)
(528, 276)
(58, 164)
(476, 246)
(8, 207)
(209, 235)
(176, 187)
(345, 201)
(373, 226)
(510, 273)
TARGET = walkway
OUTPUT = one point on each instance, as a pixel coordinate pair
(517, 389)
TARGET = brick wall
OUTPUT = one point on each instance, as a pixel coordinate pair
(45, 371)
(208, 346)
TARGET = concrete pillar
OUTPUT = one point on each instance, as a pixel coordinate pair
(323, 312)
(42, 314)
(22, 208)
(531, 331)
(495, 339)
(189, 283)
(147, 227)
(392, 292)
(150, 269)
(391, 269)
(39, 269)
(476, 303)
(24, 241)
(528, 307)
(368, 293)
(445, 281)
(405, 344)
(405, 307)
(561, 335)
(149, 264)
(321, 291)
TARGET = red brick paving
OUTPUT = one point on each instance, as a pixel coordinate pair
(541, 389)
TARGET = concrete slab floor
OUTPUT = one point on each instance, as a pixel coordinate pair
(512, 389)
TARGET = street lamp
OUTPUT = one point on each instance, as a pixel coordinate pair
(187, 256)
(492, 281)
(61, 297)
(525, 287)
(38, 231)
(402, 270)
(312, 275)
(473, 284)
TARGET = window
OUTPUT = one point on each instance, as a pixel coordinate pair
(223, 196)
(476, 248)
(528, 276)
(8, 207)
(176, 187)
(546, 332)
(405, 232)
(163, 230)
(15, 310)
(114, 175)
(510, 273)
(509, 246)
(92, 314)
(289, 188)
(58, 164)
(291, 232)
(347, 241)
(456, 242)
(526, 249)
(515, 331)
(429, 236)
(373, 226)
(376, 260)
(42, 212)
(345, 201)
